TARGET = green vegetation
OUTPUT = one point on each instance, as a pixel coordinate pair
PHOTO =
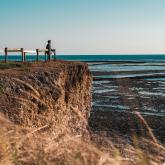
(15, 157)
(10, 65)
(1, 88)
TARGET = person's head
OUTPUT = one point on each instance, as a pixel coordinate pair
(49, 41)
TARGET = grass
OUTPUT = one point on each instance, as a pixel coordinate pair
(59, 134)
(40, 148)
(46, 146)
(10, 65)
(2, 88)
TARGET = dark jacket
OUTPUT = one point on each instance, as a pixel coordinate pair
(48, 46)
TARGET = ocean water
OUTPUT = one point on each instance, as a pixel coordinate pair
(123, 82)
(97, 58)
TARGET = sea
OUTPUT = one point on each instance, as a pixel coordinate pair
(122, 83)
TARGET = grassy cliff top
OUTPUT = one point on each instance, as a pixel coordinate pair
(20, 65)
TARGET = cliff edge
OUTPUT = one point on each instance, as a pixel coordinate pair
(52, 94)
(44, 112)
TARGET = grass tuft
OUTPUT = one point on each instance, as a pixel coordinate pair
(10, 65)
(2, 88)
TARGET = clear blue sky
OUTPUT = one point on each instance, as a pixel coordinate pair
(84, 26)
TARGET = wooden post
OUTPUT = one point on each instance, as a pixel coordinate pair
(22, 52)
(24, 56)
(6, 52)
(37, 54)
(54, 54)
(45, 57)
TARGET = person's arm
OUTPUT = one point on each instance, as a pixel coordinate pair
(47, 46)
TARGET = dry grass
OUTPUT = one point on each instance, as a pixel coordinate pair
(26, 146)
(58, 134)
(28, 85)
(146, 126)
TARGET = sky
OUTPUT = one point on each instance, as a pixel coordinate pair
(84, 26)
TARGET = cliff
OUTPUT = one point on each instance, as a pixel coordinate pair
(52, 94)
(44, 113)
(41, 102)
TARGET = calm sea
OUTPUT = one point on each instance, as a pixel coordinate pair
(144, 58)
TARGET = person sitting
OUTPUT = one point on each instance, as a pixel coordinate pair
(49, 49)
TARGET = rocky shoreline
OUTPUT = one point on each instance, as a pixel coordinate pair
(126, 123)
(116, 99)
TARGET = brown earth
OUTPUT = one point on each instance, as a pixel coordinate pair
(44, 111)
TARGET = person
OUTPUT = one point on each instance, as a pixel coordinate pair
(49, 48)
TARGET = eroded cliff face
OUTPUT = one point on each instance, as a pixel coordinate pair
(44, 109)
(56, 95)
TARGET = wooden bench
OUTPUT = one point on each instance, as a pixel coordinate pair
(24, 52)
(14, 50)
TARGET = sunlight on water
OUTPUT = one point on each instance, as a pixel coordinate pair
(152, 94)
(113, 68)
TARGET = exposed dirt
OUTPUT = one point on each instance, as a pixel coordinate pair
(36, 94)
(44, 112)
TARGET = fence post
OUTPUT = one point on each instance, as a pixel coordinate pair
(24, 56)
(54, 54)
(6, 52)
(37, 54)
(45, 55)
(22, 52)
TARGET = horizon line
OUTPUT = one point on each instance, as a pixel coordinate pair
(111, 54)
